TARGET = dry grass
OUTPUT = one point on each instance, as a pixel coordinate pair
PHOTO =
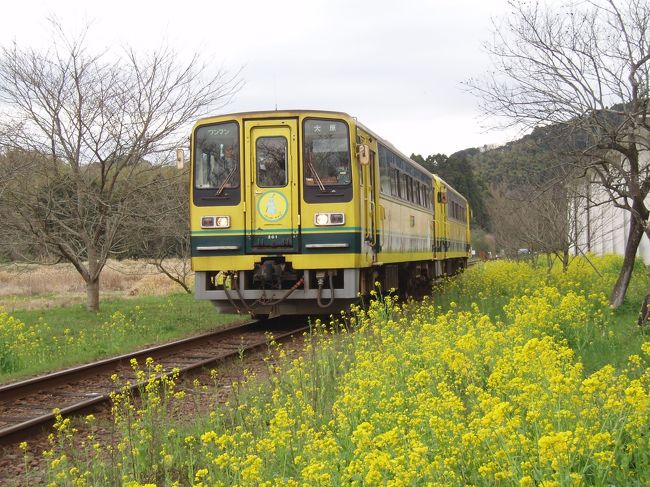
(31, 286)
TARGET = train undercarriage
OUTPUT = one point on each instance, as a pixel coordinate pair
(274, 288)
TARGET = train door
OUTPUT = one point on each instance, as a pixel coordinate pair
(440, 213)
(271, 154)
(369, 201)
(434, 216)
(445, 229)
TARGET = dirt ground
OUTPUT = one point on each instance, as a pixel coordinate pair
(36, 286)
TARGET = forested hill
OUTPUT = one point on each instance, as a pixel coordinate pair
(458, 171)
(531, 160)
(519, 165)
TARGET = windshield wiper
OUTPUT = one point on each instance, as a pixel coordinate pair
(314, 173)
(223, 185)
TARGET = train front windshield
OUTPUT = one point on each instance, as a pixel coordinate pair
(217, 156)
(326, 153)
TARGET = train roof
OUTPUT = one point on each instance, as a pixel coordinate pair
(282, 112)
(303, 111)
(449, 186)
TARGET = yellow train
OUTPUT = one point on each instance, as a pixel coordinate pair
(300, 212)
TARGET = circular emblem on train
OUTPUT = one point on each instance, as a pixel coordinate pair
(272, 206)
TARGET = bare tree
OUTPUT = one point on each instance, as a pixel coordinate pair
(533, 219)
(159, 228)
(583, 67)
(101, 120)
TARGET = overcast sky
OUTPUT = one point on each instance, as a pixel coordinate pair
(395, 65)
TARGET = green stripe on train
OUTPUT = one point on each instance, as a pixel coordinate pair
(350, 242)
(208, 245)
(224, 245)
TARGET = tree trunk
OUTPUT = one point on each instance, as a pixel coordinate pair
(92, 295)
(644, 314)
(623, 281)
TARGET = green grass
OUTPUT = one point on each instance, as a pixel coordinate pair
(161, 313)
(625, 340)
(59, 337)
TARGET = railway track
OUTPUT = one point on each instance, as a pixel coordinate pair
(26, 406)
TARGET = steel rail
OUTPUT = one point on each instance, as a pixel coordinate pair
(24, 389)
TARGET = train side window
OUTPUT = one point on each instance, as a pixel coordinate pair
(394, 182)
(456, 209)
(403, 181)
(271, 162)
(384, 170)
(409, 188)
(401, 178)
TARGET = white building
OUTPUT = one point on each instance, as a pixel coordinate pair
(602, 228)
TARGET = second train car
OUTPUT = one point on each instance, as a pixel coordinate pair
(300, 212)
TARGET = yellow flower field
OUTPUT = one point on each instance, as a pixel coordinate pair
(432, 393)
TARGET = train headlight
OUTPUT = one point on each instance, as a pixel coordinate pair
(223, 222)
(215, 222)
(324, 219)
(321, 219)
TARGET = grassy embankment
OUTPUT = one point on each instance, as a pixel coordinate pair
(142, 309)
(507, 376)
(494, 286)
